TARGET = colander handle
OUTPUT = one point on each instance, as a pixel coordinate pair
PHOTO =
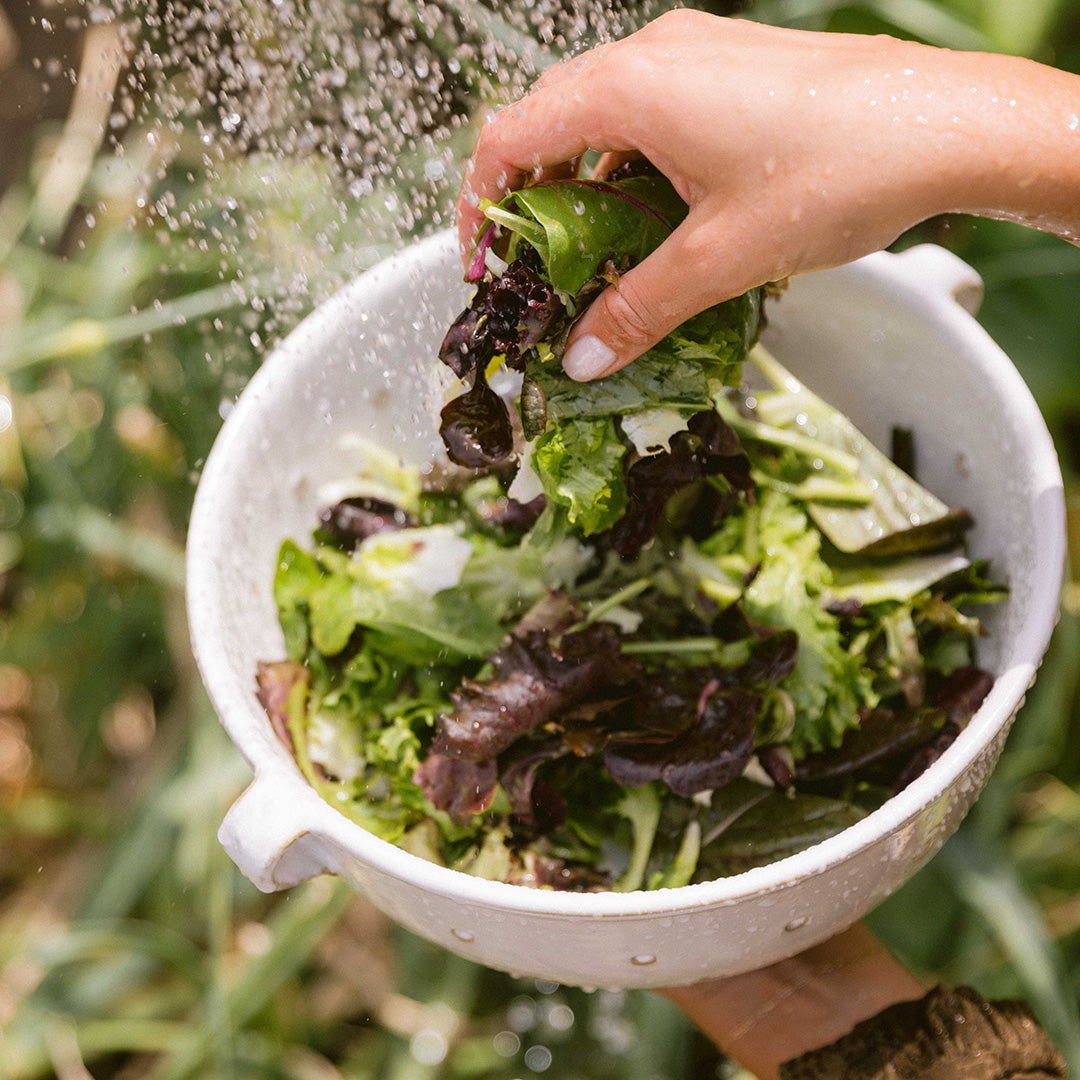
(262, 835)
(941, 273)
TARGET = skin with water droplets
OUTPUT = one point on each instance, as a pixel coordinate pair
(700, 97)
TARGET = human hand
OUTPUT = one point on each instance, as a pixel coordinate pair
(794, 151)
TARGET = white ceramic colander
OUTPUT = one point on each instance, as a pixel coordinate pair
(889, 340)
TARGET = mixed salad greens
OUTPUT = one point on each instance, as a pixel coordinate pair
(636, 633)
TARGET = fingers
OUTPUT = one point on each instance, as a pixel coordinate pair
(610, 161)
(540, 136)
(692, 270)
(505, 160)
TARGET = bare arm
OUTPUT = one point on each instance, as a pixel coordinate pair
(794, 151)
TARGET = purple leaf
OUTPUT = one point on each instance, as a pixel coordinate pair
(352, 520)
(771, 659)
(961, 694)
(534, 803)
(460, 786)
(476, 427)
(507, 317)
(709, 447)
(459, 351)
(778, 764)
(926, 755)
(670, 702)
(711, 754)
(534, 680)
(275, 683)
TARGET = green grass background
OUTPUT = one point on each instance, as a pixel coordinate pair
(143, 275)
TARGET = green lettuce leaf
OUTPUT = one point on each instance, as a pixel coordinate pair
(580, 465)
(899, 515)
(416, 628)
(575, 225)
(829, 684)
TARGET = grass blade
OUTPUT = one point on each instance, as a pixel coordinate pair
(987, 882)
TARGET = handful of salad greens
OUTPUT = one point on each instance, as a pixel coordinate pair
(645, 631)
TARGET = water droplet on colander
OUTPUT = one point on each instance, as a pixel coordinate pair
(463, 935)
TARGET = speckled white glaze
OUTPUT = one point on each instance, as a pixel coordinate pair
(889, 339)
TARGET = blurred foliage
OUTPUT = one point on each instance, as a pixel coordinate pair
(159, 230)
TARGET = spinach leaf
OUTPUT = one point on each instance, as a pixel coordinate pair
(772, 828)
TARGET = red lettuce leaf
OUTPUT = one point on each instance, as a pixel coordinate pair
(347, 523)
(460, 786)
(709, 447)
(274, 684)
(535, 679)
(714, 752)
(535, 804)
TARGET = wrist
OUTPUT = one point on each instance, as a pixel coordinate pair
(1002, 138)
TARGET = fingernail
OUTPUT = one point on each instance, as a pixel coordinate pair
(586, 358)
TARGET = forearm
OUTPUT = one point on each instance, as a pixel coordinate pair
(1001, 139)
(894, 132)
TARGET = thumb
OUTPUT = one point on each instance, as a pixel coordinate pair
(679, 279)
